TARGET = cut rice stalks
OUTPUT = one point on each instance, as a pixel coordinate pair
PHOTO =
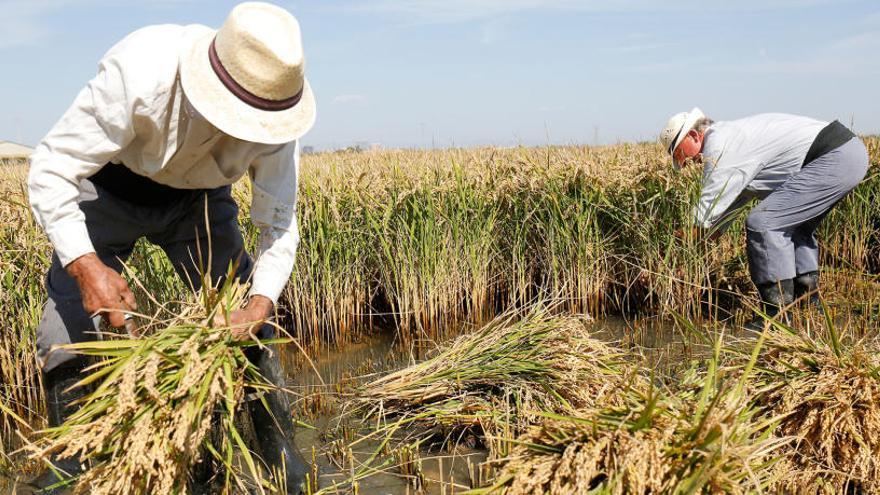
(155, 401)
(703, 439)
(827, 388)
(494, 382)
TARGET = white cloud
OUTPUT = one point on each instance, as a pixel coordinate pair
(493, 31)
(663, 67)
(871, 20)
(849, 56)
(454, 11)
(24, 21)
(550, 108)
(349, 99)
(642, 47)
(450, 11)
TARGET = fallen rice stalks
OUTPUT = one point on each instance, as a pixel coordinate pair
(706, 439)
(157, 398)
(496, 380)
(828, 394)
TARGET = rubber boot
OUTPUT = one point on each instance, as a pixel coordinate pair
(59, 397)
(774, 297)
(808, 283)
(274, 427)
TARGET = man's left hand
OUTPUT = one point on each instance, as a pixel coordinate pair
(246, 322)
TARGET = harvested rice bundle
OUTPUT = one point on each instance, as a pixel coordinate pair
(157, 398)
(499, 377)
(704, 442)
(829, 396)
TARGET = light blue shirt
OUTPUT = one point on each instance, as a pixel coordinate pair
(749, 158)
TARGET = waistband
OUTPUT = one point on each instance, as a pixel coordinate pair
(121, 182)
(831, 137)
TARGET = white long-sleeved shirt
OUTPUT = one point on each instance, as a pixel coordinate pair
(134, 112)
(749, 158)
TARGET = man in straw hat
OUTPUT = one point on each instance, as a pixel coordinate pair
(798, 167)
(175, 115)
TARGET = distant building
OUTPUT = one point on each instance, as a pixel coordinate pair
(308, 150)
(14, 151)
(367, 146)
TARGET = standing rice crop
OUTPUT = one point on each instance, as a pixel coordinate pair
(448, 237)
(24, 256)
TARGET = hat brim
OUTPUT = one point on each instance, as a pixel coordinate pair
(234, 117)
(692, 118)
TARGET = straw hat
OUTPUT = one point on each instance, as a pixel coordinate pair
(248, 77)
(677, 128)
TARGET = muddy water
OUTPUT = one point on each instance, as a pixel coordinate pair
(322, 384)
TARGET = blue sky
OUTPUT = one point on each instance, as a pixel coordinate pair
(470, 72)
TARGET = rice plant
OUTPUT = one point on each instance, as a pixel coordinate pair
(823, 381)
(427, 243)
(449, 237)
(700, 437)
(498, 379)
(157, 398)
(24, 255)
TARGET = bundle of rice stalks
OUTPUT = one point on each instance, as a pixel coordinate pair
(498, 378)
(658, 442)
(155, 401)
(828, 393)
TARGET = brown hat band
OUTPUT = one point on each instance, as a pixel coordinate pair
(243, 94)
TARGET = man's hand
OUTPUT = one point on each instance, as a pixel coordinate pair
(246, 322)
(102, 288)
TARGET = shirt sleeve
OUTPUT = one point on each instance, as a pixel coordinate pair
(273, 211)
(721, 224)
(726, 175)
(91, 132)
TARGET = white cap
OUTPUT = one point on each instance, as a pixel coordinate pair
(677, 128)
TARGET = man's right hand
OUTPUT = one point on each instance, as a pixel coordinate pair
(102, 288)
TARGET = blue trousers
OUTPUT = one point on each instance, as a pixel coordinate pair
(781, 229)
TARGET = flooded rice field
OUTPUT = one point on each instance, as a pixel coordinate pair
(354, 450)
(344, 448)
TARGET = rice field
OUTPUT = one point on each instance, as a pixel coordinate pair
(428, 245)
(433, 239)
